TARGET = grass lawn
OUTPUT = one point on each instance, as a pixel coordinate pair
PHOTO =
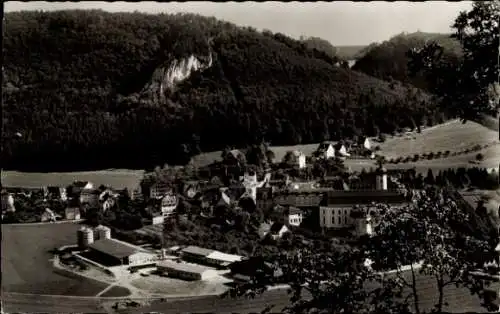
(162, 285)
(25, 261)
(116, 178)
(452, 136)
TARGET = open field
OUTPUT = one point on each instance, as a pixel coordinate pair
(452, 136)
(205, 159)
(25, 261)
(162, 285)
(116, 178)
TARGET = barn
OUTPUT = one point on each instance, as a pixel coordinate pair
(185, 271)
(112, 252)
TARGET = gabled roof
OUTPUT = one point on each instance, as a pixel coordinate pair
(276, 227)
(184, 267)
(114, 248)
(364, 197)
(195, 250)
(294, 211)
(80, 184)
(324, 146)
(230, 258)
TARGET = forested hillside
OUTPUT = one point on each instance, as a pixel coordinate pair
(389, 60)
(90, 89)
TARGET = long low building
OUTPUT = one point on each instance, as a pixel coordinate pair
(209, 257)
(185, 271)
(113, 252)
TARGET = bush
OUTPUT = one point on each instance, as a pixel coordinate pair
(416, 157)
(430, 156)
(447, 153)
(479, 157)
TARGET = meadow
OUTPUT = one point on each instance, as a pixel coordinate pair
(26, 265)
(116, 178)
(452, 135)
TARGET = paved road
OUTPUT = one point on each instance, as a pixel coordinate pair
(214, 304)
(23, 303)
(13, 303)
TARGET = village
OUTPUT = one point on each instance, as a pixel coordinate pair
(206, 225)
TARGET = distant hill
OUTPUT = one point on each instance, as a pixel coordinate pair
(350, 52)
(91, 89)
(388, 60)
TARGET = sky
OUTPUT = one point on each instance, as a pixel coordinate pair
(341, 23)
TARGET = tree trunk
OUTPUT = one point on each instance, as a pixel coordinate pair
(414, 289)
(439, 306)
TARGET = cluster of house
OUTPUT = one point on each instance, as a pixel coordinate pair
(77, 196)
(331, 200)
(327, 150)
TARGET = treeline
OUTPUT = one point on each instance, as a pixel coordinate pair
(389, 60)
(73, 91)
(457, 178)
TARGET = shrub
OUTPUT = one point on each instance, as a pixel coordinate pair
(479, 157)
(430, 156)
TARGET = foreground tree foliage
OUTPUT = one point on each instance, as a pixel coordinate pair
(432, 237)
(430, 232)
(83, 89)
(464, 86)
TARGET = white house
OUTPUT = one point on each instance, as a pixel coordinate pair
(298, 158)
(157, 219)
(168, 204)
(293, 216)
(342, 151)
(363, 225)
(158, 190)
(367, 144)
(326, 150)
(275, 230)
(8, 202)
(72, 213)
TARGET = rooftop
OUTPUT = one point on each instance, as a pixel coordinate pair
(216, 255)
(185, 267)
(299, 199)
(195, 250)
(115, 248)
(364, 197)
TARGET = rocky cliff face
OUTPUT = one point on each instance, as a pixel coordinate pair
(166, 78)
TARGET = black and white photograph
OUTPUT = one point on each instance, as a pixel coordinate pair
(250, 157)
